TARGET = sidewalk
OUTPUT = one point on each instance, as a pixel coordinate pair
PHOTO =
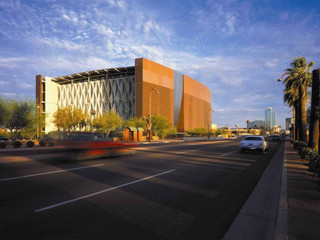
(303, 198)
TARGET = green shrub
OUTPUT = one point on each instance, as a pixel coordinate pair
(308, 153)
(30, 144)
(314, 164)
(198, 132)
(303, 152)
(170, 133)
(43, 143)
(17, 144)
(295, 145)
(51, 143)
(299, 145)
(3, 145)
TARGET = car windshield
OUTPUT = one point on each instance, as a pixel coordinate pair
(253, 139)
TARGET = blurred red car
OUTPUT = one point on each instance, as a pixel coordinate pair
(82, 146)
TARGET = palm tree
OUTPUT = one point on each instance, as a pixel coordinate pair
(298, 81)
(291, 98)
(314, 116)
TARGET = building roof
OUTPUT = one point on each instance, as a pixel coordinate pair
(94, 73)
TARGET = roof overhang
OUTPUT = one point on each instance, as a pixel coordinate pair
(94, 73)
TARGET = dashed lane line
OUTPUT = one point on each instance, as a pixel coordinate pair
(102, 191)
(46, 173)
(226, 154)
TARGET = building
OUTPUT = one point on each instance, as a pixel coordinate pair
(214, 126)
(274, 119)
(257, 124)
(130, 91)
(289, 123)
(270, 118)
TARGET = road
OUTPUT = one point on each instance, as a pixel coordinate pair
(165, 191)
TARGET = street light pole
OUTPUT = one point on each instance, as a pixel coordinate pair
(295, 132)
(157, 92)
(280, 79)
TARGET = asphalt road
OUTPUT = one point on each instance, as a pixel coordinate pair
(165, 191)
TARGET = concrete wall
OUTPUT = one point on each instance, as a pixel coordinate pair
(50, 103)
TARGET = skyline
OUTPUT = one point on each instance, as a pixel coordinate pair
(236, 48)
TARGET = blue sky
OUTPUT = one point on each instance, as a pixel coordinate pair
(236, 48)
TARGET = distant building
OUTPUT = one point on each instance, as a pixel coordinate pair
(274, 119)
(270, 118)
(276, 129)
(257, 124)
(214, 126)
(289, 122)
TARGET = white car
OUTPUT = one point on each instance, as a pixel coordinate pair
(253, 143)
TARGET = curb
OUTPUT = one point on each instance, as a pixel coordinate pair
(281, 231)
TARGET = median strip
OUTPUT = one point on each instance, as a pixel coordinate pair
(100, 192)
(46, 173)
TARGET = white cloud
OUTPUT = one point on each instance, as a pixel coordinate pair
(25, 85)
(3, 83)
(105, 31)
(218, 16)
(11, 62)
(9, 94)
(252, 98)
(61, 43)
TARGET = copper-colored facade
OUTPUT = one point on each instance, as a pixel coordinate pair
(191, 110)
(149, 75)
(195, 106)
(39, 90)
(39, 100)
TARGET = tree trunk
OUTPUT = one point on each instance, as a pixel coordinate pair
(314, 116)
(293, 129)
(303, 115)
(297, 120)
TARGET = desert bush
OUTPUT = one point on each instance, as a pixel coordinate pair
(17, 144)
(30, 144)
(51, 143)
(297, 145)
(314, 164)
(198, 132)
(3, 145)
(43, 143)
(309, 154)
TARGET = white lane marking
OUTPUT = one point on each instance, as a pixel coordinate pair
(226, 154)
(46, 173)
(102, 191)
(189, 151)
